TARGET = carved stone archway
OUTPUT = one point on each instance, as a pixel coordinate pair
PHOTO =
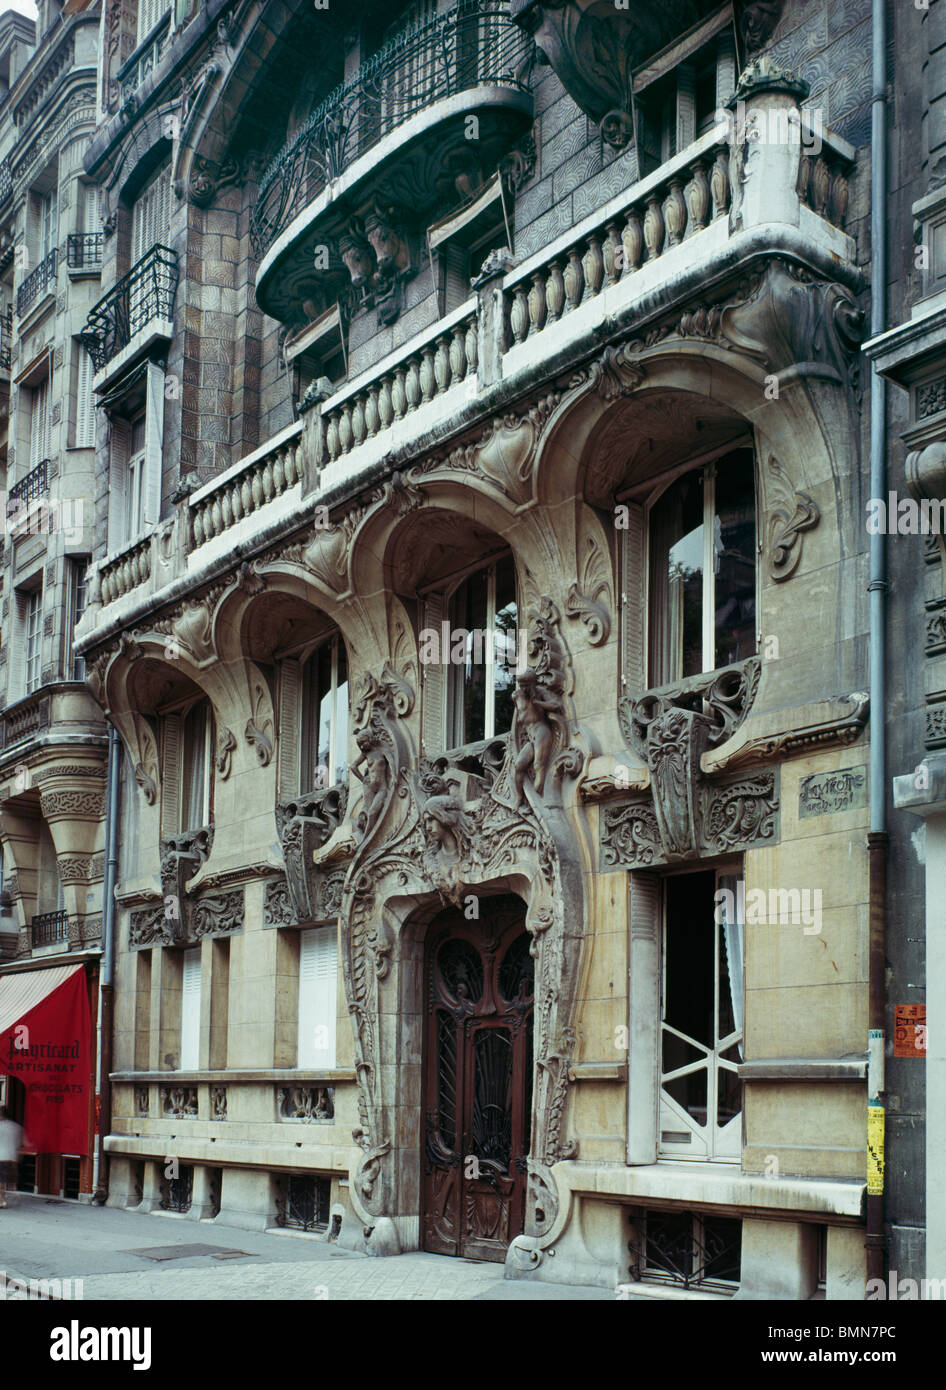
(425, 834)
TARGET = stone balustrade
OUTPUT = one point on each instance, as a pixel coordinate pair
(447, 359)
(266, 475)
(660, 213)
(126, 571)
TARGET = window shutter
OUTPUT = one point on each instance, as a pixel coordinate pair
(118, 455)
(643, 1051)
(17, 649)
(170, 774)
(91, 209)
(85, 408)
(432, 727)
(190, 1011)
(154, 437)
(289, 770)
(318, 993)
(633, 602)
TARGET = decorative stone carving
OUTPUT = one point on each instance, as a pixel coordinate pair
(540, 729)
(723, 697)
(179, 1102)
(218, 1102)
(278, 910)
(78, 805)
(439, 827)
(151, 927)
(306, 1104)
(217, 915)
(794, 514)
(757, 21)
(304, 825)
(142, 1102)
(590, 603)
(615, 373)
(260, 731)
(671, 727)
(730, 816)
(838, 731)
(181, 857)
(223, 757)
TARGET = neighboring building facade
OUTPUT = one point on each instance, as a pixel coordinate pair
(479, 589)
(52, 733)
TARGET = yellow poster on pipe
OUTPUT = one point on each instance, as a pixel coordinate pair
(875, 1150)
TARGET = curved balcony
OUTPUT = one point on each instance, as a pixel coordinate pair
(369, 146)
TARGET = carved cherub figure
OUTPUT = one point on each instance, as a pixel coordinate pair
(375, 777)
(533, 731)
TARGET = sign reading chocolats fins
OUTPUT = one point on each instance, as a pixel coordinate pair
(45, 1042)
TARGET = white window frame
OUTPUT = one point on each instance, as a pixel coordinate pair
(454, 683)
(708, 627)
(85, 401)
(318, 999)
(40, 423)
(709, 1142)
(309, 716)
(78, 598)
(204, 784)
(33, 632)
(191, 989)
(47, 224)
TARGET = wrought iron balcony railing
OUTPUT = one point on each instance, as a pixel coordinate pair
(6, 179)
(146, 293)
(37, 283)
(474, 45)
(28, 489)
(6, 338)
(49, 927)
(84, 250)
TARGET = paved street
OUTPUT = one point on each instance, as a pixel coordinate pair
(123, 1255)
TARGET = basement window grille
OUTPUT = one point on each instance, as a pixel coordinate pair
(689, 1250)
(303, 1203)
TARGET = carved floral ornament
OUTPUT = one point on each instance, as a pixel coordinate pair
(421, 829)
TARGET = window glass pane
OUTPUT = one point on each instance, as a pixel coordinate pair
(323, 753)
(341, 715)
(734, 560)
(688, 969)
(676, 582)
(194, 759)
(505, 628)
(469, 612)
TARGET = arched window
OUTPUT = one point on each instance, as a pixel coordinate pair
(483, 628)
(702, 579)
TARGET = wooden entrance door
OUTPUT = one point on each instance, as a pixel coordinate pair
(477, 1080)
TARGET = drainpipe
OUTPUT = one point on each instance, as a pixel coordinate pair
(107, 975)
(877, 837)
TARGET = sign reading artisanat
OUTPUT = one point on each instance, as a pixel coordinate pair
(909, 1030)
(45, 1042)
(827, 793)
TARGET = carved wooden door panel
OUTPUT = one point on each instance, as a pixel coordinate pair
(478, 1080)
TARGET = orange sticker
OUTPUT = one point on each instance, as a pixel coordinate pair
(909, 1030)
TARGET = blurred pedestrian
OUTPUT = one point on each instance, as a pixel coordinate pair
(11, 1139)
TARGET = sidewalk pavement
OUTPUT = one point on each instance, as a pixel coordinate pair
(122, 1255)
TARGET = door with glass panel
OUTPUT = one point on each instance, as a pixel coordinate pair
(479, 980)
(702, 995)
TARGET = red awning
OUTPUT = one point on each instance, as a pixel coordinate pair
(45, 1042)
